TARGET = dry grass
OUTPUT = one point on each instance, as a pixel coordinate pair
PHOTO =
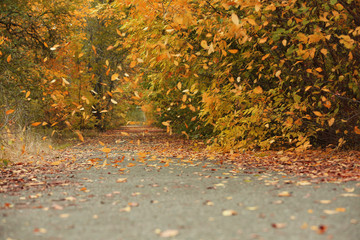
(23, 146)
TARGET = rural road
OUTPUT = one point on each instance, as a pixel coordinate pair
(132, 195)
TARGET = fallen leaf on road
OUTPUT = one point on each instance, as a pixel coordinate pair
(303, 183)
(350, 195)
(284, 194)
(121, 180)
(64, 215)
(229, 212)
(169, 233)
(322, 229)
(133, 204)
(125, 209)
(325, 201)
(40, 230)
(349, 190)
(278, 225)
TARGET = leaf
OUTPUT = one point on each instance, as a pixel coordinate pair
(35, 124)
(9, 111)
(125, 134)
(179, 85)
(356, 130)
(278, 225)
(80, 136)
(166, 124)
(94, 49)
(8, 58)
(284, 194)
(204, 44)
(121, 180)
(331, 121)
(27, 94)
(278, 73)
(235, 19)
(317, 113)
(233, 51)
(106, 150)
(229, 212)
(258, 90)
(132, 64)
(169, 233)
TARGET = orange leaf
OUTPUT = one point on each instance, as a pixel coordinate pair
(233, 51)
(80, 136)
(8, 58)
(356, 130)
(27, 94)
(258, 90)
(35, 124)
(9, 111)
(317, 113)
(133, 64)
(94, 48)
(106, 150)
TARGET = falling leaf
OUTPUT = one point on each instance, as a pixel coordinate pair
(35, 124)
(132, 64)
(229, 212)
(169, 233)
(258, 90)
(233, 51)
(80, 136)
(124, 134)
(27, 94)
(356, 130)
(235, 19)
(114, 77)
(204, 44)
(317, 113)
(9, 111)
(331, 121)
(94, 49)
(8, 58)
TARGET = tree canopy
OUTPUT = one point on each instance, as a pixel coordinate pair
(243, 74)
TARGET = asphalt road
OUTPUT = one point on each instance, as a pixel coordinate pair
(179, 199)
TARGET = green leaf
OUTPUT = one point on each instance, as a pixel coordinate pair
(333, 2)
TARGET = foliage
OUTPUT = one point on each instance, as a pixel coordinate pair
(258, 80)
(244, 74)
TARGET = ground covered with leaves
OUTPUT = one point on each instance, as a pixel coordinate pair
(312, 165)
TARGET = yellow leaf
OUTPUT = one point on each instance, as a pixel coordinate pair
(9, 111)
(317, 113)
(166, 123)
(263, 40)
(331, 122)
(56, 163)
(265, 56)
(235, 19)
(258, 90)
(125, 134)
(80, 136)
(106, 150)
(233, 51)
(8, 58)
(133, 64)
(93, 48)
(114, 77)
(278, 73)
(204, 44)
(101, 143)
(356, 130)
(179, 85)
(35, 124)
(27, 94)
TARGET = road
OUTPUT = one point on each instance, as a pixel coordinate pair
(126, 194)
